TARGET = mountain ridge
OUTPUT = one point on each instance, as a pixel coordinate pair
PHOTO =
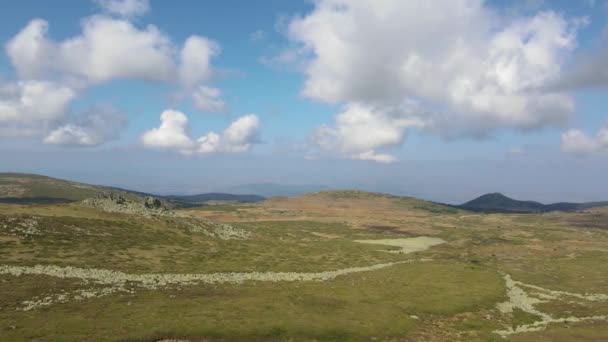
(216, 196)
(25, 188)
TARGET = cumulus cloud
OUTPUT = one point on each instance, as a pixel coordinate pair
(576, 142)
(470, 70)
(94, 127)
(33, 102)
(110, 48)
(124, 8)
(361, 129)
(70, 135)
(173, 135)
(238, 137)
(195, 60)
(52, 73)
(107, 49)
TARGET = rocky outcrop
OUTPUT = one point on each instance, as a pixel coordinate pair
(152, 203)
(115, 197)
(115, 202)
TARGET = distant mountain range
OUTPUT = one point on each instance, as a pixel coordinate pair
(215, 196)
(21, 188)
(271, 189)
(497, 202)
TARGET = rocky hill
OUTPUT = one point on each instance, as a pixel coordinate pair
(497, 202)
(115, 202)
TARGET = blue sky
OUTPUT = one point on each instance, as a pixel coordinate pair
(443, 100)
(249, 85)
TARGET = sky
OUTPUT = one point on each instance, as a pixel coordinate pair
(442, 100)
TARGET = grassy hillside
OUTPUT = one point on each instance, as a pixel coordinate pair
(19, 188)
(326, 266)
(25, 188)
(344, 197)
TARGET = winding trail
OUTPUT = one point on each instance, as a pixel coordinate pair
(155, 280)
(102, 282)
(525, 297)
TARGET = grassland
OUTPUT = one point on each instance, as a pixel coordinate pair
(452, 291)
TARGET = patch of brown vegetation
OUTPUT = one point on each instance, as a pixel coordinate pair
(327, 236)
(388, 229)
(360, 210)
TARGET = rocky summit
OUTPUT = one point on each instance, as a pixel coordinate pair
(116, 202)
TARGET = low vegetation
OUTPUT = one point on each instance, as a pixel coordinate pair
(314, 267)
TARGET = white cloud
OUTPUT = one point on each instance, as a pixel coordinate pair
(470, 70)
(380, 158)
(110, 48)
(238, 137)
(195, 60)
(94, 127)
(70, 135)
(30, 51)
(172, 134)
(361, 129)
(41, 108)
(208, 99)
(107, 49)
(125, 8)
(52, 73)
(33, 102)
(209, 143)
(576, 142)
